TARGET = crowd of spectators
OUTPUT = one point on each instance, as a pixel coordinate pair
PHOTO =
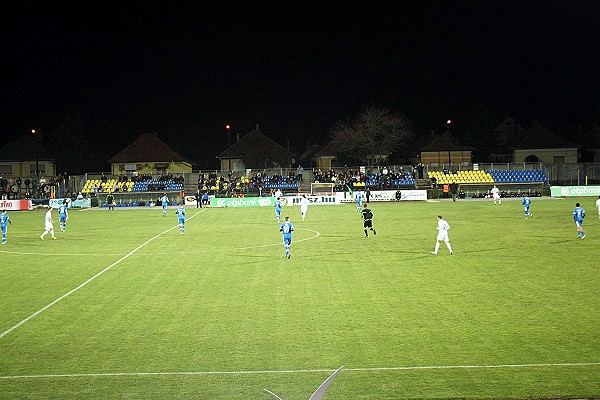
(15, 188)
(381, 179)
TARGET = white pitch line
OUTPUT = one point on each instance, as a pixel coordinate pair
(301, 371)
(316, 234)
(41, 310)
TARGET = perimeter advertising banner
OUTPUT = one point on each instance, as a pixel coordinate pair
(16, 205)
(574, 191)
(55, 203)
(238, 202)
(386, 195)
(314, 200)
(191, 200)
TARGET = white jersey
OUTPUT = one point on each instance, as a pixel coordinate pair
(598, 206)
(443, 228)
(304, 204)
(48, 220)
(496, 192)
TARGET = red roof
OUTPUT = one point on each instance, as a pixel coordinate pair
(251, 141)
(147, 148)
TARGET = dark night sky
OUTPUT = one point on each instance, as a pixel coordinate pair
(183, 71)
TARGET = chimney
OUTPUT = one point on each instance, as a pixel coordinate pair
(257, 127)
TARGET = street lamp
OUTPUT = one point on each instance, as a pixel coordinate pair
(448, 122)
(228, 127)
(37, 162)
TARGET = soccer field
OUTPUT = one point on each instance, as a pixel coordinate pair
(123, 306)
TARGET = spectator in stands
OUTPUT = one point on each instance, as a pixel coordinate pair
(27, 184)
(299, 172)
(103, 178)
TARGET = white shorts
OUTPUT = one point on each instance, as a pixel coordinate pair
(303, 210)
(496, 196)
(49, 227)
(443, 236)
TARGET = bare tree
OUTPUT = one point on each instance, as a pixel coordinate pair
(373, 135)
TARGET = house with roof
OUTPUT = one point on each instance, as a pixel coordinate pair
(590, 143)
(254, 150)
(149, 155)
(540, 144)
(507, 133)
(441, 149)
(26, 156)
(326, 156)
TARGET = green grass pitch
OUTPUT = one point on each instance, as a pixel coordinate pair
(123, 306)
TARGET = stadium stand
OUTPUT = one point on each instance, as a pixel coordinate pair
(518, 176)
(461, 177)
(492, 176)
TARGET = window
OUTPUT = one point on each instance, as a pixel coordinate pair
(41, 169)
(5, 169)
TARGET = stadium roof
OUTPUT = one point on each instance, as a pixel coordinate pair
(147, 148)
(25, 148)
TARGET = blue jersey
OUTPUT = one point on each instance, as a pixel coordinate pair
(165, 201)
(358, 198)
(578, 214)
(287, 228)
(526, 201)
(278, 206)
(180, 213)
(62, 211)
(4, 219)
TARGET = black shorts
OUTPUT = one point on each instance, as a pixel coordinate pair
(368, 223)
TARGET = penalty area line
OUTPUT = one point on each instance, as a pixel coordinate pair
(301, 371)
(70, 292)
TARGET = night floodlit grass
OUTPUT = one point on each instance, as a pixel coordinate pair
(123, 306)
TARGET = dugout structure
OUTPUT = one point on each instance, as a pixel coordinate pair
(322, 188)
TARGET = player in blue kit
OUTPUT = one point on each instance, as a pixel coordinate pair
(165, 202)
(578, 216)
(181, 218)
(287, 228)
(278, 209)
(4, 221)
(526, 203)
(359, 201)
(63, 215)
